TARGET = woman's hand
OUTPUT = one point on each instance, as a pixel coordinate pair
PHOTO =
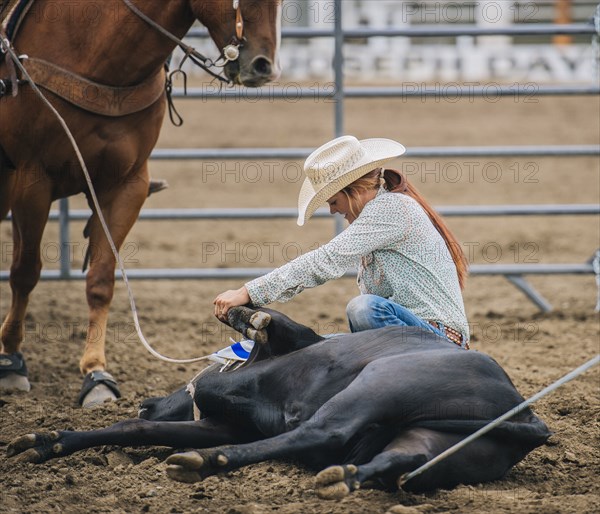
(229, 299)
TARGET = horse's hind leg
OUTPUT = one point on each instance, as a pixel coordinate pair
(120, 207)
(30, 213)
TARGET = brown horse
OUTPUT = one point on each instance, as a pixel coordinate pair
(78, 47)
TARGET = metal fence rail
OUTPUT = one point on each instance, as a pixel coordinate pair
(415, 152)
(435, 31)
(452, 90)
(248, 273)
(275, 212)
(512, 272)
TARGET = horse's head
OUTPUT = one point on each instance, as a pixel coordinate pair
(251, 26)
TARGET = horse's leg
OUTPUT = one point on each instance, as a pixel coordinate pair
(30, 214)
(7, 182)
(120, 207)
(41, 447)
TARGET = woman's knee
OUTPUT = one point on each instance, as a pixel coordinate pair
(360, 305)
(360, 312)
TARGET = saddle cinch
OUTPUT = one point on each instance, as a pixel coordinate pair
(91, 96)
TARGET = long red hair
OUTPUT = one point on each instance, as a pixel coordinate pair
(396, 182)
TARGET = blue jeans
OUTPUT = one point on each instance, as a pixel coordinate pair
(369, 311)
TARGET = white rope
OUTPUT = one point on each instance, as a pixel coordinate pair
(497, 421)
(8, 49)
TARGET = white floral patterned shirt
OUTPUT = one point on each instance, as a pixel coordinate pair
(400, 256)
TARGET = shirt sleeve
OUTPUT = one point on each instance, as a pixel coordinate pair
(379, 226)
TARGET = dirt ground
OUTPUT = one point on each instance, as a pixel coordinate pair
(534, 348)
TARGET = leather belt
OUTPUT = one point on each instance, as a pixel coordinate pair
(453, 335)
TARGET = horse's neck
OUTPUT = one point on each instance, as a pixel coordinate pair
(103, 41)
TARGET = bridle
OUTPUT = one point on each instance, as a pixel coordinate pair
(230, 52)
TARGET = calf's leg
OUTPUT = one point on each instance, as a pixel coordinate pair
(282, 334)
(205, 433)
(482, 460)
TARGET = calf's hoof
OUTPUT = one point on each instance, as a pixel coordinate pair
(194, 466)
(98, 387)
(36, 448)
(336, 482)
(13, 373)
(250, 323)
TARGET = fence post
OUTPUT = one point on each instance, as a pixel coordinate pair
(596, 44)
(338, 68)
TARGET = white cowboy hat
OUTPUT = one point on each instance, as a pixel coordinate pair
(335, 165)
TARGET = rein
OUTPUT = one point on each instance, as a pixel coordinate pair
(231, 52)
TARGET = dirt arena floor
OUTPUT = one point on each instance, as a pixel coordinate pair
(534, 348)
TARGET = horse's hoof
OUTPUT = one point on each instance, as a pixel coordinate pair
(98, 387)
(337, 482)
(98, 396)
(13, 373)
(14, 382)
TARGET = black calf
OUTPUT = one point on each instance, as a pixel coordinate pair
(374, 404)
